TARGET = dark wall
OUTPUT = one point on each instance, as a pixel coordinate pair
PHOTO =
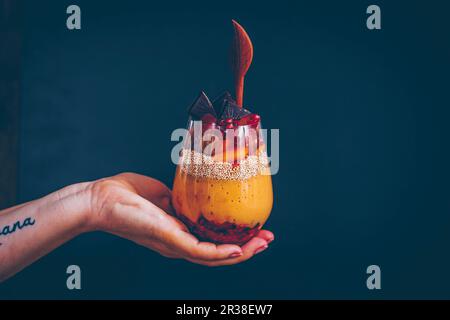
(10, 58)
(363, 117)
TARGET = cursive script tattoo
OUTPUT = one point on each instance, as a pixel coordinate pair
(18, 225)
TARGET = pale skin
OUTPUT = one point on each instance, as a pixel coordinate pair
(128, 205)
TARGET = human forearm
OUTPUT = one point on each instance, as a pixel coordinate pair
(129, 205)
(31, 230)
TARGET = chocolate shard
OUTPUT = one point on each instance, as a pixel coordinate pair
(226, 107)
(233, 111)
(221, 102)
(242, 113)
(201, 106)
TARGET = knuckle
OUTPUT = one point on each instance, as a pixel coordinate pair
(126, 174)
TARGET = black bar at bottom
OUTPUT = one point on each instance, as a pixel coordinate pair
(230, 309)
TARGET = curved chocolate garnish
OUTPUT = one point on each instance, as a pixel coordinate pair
(201, 106)
(241, 58)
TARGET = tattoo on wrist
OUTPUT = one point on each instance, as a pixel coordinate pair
(18, 225)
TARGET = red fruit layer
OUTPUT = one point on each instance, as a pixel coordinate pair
(226, 232)
(208, 118)
(229, 123)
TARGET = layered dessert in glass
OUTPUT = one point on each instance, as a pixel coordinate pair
(223, 188)
(224, 196)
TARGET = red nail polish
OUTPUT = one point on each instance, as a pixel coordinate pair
(261, 249)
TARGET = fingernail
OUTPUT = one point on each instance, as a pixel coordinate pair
(270, 240)
(235, 254)
(261, 249)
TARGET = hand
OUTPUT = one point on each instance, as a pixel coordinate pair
(136, 207)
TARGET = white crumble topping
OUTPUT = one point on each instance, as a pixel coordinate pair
(200, 165)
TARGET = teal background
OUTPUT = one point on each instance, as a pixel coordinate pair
(363, 118)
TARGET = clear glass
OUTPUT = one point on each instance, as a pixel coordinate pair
(224, 197)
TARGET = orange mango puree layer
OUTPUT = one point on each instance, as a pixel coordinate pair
(244, 202)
